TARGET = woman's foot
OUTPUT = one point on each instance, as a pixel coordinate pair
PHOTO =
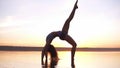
(76, 4)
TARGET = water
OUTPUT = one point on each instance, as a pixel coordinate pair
(30, 59)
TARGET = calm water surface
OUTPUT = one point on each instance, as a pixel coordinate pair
(30, 59)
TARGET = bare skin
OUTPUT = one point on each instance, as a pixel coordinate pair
(63, 35)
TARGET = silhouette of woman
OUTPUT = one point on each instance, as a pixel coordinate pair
(63, 35)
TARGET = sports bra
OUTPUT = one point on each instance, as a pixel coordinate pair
(50, 36)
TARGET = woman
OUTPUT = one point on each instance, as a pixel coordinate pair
(63, 35)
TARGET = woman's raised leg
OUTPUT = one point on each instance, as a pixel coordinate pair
(67, 22)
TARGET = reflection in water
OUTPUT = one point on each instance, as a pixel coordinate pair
(52, 64)
(82, 59)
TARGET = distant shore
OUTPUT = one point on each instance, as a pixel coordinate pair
(23, 48)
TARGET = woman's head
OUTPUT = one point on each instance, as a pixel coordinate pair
(53, 54)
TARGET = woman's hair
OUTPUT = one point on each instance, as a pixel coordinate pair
(53, 54)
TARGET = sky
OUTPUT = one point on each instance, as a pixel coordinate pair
(27, 22)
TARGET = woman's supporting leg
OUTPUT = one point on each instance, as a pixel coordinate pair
(67, 22)
(73, 43)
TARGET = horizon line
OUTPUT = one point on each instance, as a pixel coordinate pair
(26, 48)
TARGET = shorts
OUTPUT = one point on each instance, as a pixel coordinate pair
(61, 35)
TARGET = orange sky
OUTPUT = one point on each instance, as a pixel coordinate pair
(27, 23)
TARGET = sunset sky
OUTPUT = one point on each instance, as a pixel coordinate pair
(27, 22)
